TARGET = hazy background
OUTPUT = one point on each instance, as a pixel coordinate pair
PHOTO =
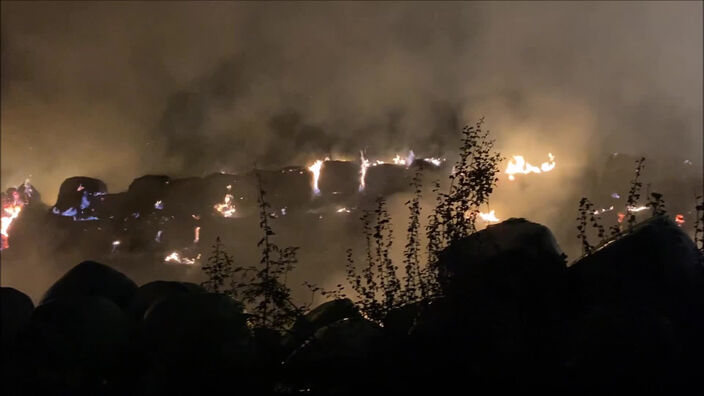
(119, 90)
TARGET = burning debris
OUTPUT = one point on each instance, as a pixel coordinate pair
(519, 166)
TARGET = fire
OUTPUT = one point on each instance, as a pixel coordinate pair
(679, 219)
(621, 216)
(315, 169)
(226, 208)
(434, 161)
(363, 170)
(9, 213)
(175, 257)
(11, 208)
(397, 160)
(636, 208)
(519, 165)
(489, 217)
(603, 210)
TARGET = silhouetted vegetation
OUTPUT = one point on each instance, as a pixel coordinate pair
(634, 193)
(262, 289)
(379, 287)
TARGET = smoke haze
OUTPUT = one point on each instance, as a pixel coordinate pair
(119, 90)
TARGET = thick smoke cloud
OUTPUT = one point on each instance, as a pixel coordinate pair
(117, 90)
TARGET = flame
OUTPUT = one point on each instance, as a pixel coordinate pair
(434, 161)
(175, 257)
(226, 208)
(603, 210)
(679, 219)
(519, 165)
(363, 171)
(315, 168)
(9, 213)
(489, 217)
(11, 208)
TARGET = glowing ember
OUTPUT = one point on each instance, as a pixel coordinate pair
(679, 219)
(196, 235)
(519, 165)
(489, 217)
(621, 216)
(226, 208)
(315, 169)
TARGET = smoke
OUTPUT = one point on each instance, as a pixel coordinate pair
(119, 90)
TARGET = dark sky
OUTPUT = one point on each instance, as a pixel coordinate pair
(117, 90)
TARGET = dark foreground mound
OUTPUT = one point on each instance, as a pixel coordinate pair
(93, 279)
(511, 317)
